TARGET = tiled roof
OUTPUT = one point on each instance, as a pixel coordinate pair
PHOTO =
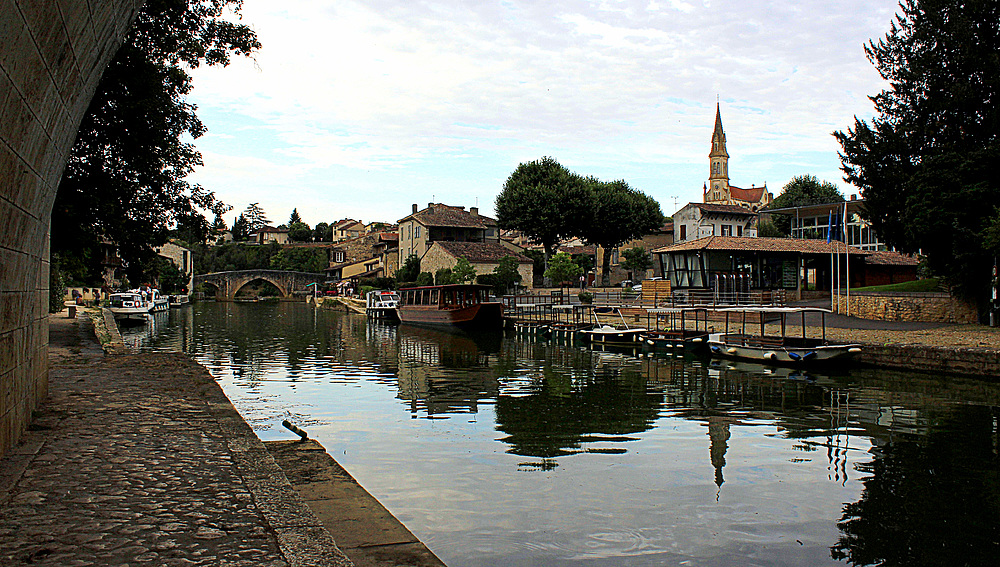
(751, 195)
(588, 250)
(727, 209)
(749, 244)
(271, 229)
(481, 252)
(888, 258)
(448, 216)
(389, 236)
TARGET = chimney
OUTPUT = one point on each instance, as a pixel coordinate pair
(854, 196)
(474, 211)
(414, 208)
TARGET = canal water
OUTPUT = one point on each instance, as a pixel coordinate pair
(496, 450)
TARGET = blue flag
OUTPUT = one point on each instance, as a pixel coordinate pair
(829, 229)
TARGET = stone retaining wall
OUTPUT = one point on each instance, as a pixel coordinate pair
(979, 362)
(899, 306)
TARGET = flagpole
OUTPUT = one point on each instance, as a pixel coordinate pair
(847, 259)
(829, 240)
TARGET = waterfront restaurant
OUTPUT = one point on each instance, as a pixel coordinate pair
(803, 268)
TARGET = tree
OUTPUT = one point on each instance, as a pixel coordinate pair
(425, 278)
(800, 191)
(410, 270)
(924, 163)
(620, 214)
(255, 217)
(300, 259)
(444, 276)
(241, 230)
(294, 218)
(322, 232)
(506, 275)
(464, 271)
(563, 269)
(299, 232)
(546, 202)
(636, 260)
(125, 178)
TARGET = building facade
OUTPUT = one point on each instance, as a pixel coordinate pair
(443, 223)
(699, 220)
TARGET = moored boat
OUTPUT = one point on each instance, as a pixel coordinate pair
(677, 335)
(136, 304)
(178, 300)
(381, 304)
(457, 305)
(618, 334)
(778, 349)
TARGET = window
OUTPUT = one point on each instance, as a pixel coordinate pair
(416, 231)
(338, 256)
(684, 232)
(739, 230)
(727, 230)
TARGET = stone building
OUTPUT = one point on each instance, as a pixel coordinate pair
(443, 223)
(698, 220)
(718, 190)
(182, 258)
(484, 257)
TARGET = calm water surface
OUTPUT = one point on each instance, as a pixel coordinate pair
(501, 451)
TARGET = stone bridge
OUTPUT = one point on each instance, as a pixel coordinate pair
(227, 284)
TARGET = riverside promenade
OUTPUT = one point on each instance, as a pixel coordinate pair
(142, 460)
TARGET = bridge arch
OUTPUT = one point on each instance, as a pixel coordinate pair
(240, 283)
(228, 284)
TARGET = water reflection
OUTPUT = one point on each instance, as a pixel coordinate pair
(500, 451)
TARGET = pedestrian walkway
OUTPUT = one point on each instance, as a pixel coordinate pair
(142, 460)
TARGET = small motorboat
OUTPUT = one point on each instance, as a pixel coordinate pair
(677, 335)
(617, 335)
(382, 304)
(136, 304)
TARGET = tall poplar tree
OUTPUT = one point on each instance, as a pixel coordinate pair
(926, 162)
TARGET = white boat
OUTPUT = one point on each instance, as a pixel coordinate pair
(178, 300)
(616, 335)
(777, 349)
(136, 304)
(382, 304)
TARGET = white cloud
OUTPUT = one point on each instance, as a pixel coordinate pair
(450, 96)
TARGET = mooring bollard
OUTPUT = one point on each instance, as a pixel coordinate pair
(289, 426)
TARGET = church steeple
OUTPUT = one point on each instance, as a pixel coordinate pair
(718, 159)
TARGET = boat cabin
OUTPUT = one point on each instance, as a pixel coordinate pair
(445, 296)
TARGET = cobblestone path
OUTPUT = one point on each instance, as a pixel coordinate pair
(142, 460)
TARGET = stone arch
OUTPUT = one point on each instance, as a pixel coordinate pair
(237, 284)
(50, 66)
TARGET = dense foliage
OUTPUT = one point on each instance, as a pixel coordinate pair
(636, 260)
(926, 163)
(800, 191)
(620, 214)
(545, 201)
(125, 178)
(563, 270)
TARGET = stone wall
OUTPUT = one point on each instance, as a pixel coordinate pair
(899, 306)
(52, 54)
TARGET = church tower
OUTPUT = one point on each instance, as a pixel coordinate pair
(718, 175)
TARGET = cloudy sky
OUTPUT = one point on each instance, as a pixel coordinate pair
(358, 109)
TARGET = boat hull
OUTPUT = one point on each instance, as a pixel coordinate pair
(673, 341)
(781, 354)
(478, 316)
(613, 337)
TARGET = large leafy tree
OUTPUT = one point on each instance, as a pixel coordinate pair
(925, 163)
(800, 191)
(125, 179)
(620, 214)
(546, 202)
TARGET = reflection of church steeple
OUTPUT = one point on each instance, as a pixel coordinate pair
(718, 432)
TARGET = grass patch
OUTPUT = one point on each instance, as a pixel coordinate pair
(924, 285)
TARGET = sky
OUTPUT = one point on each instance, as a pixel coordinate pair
(361, 109)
